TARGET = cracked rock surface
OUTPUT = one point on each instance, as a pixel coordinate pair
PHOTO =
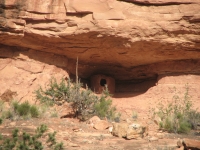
(113, 37)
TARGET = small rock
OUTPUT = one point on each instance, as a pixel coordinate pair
(66, 139)
(13, 124)
(110, 129)
(135, 131)
(129, 131)
(101, 125)
(77, 129)
(191, 143)
(153, 139)
(160, 135)
(93, 120)
(120, 129)
(72, 144)
(90, 142)
(179, 143)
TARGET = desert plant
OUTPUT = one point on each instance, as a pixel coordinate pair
(194, 118)
(23, 109)
(85, 103)
(26, 141)
(20, 110)
(34, 111)
(1, 105)
(54, 93)
(8, 114)
(178, 115)
(134, 115)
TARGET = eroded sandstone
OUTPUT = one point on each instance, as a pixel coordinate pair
(113, 37)
(134, 43)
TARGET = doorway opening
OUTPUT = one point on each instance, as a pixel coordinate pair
(103, 82)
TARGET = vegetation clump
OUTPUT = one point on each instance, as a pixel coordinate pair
(20, 110)
(85, 103)
(25, 141)
(178, 116)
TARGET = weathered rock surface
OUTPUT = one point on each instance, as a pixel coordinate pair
(131, 42)
(124, 40)
(22, 75)
(120, 129)
(189, 144)
(101, 125)
(129, 131)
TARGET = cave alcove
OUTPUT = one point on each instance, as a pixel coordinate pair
(98, 83)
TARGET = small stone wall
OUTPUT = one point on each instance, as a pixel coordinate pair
(98, 83)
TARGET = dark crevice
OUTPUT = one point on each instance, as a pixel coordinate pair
(36, 12)
(156, 4)
(103, 82)
(78, 14)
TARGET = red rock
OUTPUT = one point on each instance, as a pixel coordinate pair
(92, 121)
(101, 125)
(163, 2)
(191, 143)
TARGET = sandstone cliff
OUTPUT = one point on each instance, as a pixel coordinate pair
(133, 40)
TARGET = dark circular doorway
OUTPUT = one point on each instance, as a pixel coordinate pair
(103, 82)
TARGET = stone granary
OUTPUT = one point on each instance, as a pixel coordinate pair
(98, 83)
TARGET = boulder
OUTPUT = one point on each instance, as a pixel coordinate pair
(120, 129)
(191, 144)
(129, 131)
(135, 131)
(101, 125)
(92, 121)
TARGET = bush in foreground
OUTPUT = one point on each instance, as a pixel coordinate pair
(178, 116)
(85, 103)
(25, 141)
(20, 110)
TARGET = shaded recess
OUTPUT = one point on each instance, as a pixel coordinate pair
(99, 82)
(137, 79)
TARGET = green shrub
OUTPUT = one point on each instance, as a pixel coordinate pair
(134, 115)
(26, 141)
(1, 106)
(184, 127)
(54, 93)
(15, 105)
(7, 114)
(23, 109)
(85, 103)
(54, 113)
(34, 111)
(178, 115)
(104, 109)
(194, 118)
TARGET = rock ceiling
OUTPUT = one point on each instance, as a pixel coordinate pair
(133, 40)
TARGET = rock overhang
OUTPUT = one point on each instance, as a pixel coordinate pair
(123, 40)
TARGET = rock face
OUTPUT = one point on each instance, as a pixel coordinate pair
(129, 131)
(131, 41)
(189, 144)
(125, 40)
(101, 125)
(98, 83)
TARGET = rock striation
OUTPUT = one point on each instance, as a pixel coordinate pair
(131, 41)
(114, 37)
